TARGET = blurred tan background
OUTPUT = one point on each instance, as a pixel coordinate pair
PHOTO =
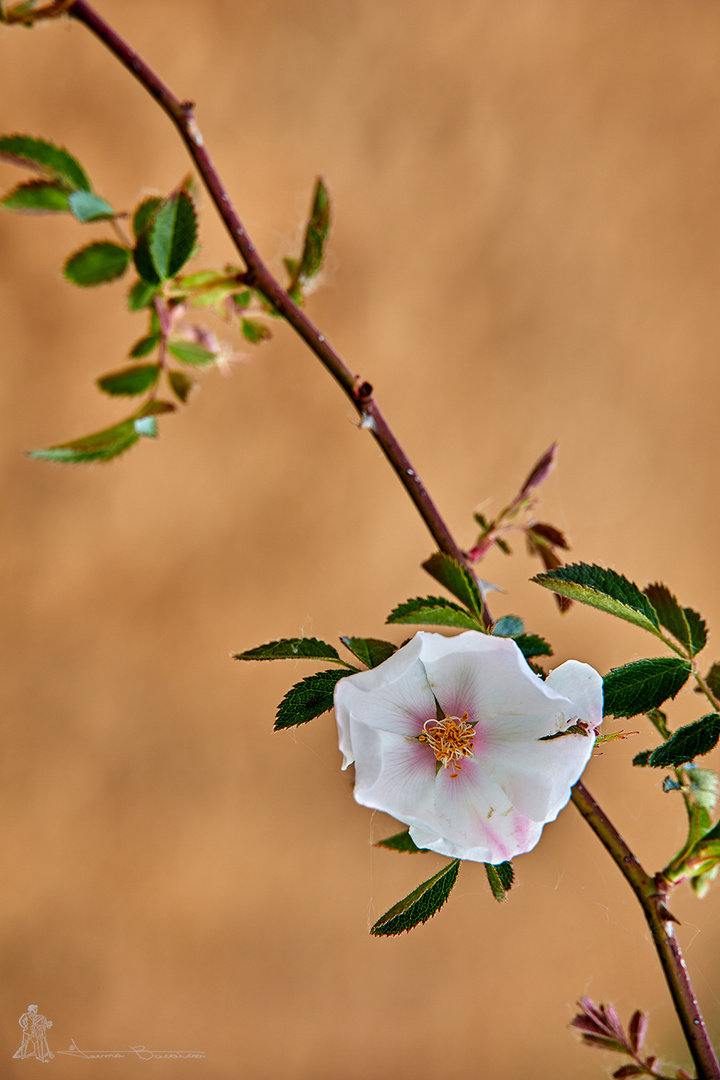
(525, 248)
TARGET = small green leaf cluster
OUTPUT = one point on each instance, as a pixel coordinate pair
(164, 238)
(642, 686)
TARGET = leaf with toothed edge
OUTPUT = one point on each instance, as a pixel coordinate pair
(369, 651)
(644, 685)
(457, 580)
(434, 611)
(402, 841)
(293, 649)
(603, 589)
(309, 698)
(419, 905)
(500, 879)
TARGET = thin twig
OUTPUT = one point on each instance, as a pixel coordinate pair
(360, 393)
(652, 896)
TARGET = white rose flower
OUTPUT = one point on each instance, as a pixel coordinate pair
(450, 736)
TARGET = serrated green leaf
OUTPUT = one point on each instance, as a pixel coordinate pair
(603, 589)
(698, 630)
(500, 879)
(156, 407)
(309, 698)
(143, 261)
(100, 446)
(144, 214)
(644, 685)
(131, 380)
(172, 235)
(292, 649)
(38, 197)
(685, 625)
(456, 579)
(369, 651)
(402, 841)
(531, 645)
(419, 905)
(87, 206)
(141, 295)
(181, 384)
(254, 331)
(642, 758)
(97, 264)
(687, 743)
(508, 626)
(190, 352)
(45, 157)
(434, 611)
(144, 346)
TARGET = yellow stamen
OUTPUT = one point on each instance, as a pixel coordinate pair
(449, 739)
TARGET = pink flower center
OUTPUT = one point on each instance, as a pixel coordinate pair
(449, 739)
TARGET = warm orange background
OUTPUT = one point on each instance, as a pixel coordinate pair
(525, 247)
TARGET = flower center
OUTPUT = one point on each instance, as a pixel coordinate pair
(449, 739)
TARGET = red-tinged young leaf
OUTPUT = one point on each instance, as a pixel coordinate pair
(629, 1070)
(156, 408)
(189, 352)
(637, 1029)
(44, 157)
(172, 235)
(181, 384)
(38, 197)
(603, 1042)
(547, 532)
(86, 206)
(97, 264)
(540, 472)
(420, 905)
(130, 381)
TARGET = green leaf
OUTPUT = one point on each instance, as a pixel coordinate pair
(683, 623)
(687, 743)
(45, 157)
(402, 842)
(644, 685)
(100, 446)
(642, 758)
(508, 626)
(316, 234)
(191, 353)
(172, 235)
(434, 611)
(456, 579)
(97, 263)
(292, 649)
(143, 261)
(254, 331)
(532, 645)
(141, 295)
(603, 589)
(420, 905)
(38, 197)
(713, 679)
(144, 214)
(144, 346)
(369, 651)
(181, 384)
(500, 878)
(89, 207)
(309, 698)
(131, 380)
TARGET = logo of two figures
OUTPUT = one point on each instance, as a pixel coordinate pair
(34, 1038)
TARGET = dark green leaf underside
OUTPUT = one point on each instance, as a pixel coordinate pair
(369, 651)
(500, 879)
(401, 841)
(603, 589)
